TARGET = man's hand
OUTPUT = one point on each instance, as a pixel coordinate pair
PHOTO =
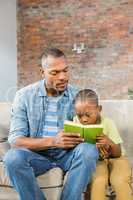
(67, 140)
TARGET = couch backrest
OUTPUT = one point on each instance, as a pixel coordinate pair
(121, 111)
(5, 109)
(4, 127)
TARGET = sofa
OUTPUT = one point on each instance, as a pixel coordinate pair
(121, 111)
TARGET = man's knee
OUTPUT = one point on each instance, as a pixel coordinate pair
(87, 150)
(14, 158)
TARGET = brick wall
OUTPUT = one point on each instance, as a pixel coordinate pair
(106, 29)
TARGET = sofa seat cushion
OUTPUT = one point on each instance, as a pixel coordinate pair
(8, 193)
(52, 178)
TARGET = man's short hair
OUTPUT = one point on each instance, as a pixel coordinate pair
(54, 52)
(87, 95)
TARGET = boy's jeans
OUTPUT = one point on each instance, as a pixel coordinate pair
(24, 165)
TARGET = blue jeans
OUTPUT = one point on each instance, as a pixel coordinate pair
(23, 166)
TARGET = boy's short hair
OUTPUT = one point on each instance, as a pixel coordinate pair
(87, 95)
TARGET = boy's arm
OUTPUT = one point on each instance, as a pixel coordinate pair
(115, 150)
(107, 147)
(111, 139)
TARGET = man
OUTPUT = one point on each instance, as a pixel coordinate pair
(37, 138)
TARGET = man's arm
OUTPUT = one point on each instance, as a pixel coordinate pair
(19, 121)
(19, 130)
(61, 140)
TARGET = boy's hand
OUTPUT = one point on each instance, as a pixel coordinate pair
(67, 140)
(103, 143)
(104, 151)
(104, 139)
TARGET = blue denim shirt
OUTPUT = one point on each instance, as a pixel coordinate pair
(29, 108)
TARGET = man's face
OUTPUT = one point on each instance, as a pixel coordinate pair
(56, 74)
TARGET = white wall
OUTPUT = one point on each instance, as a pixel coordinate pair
(8, 49)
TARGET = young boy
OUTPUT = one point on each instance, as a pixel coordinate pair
(88, 111)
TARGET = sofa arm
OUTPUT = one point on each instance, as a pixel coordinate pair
(4, 147)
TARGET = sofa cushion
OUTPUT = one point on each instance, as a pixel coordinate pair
(4, 180)
(52, 178)
(7, 193)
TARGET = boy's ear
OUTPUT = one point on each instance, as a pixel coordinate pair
(100, 108)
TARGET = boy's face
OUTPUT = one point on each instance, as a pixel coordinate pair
(87, 112)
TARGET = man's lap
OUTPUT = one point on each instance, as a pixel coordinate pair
(42, 161)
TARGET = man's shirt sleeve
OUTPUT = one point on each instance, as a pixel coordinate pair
(19, 121)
